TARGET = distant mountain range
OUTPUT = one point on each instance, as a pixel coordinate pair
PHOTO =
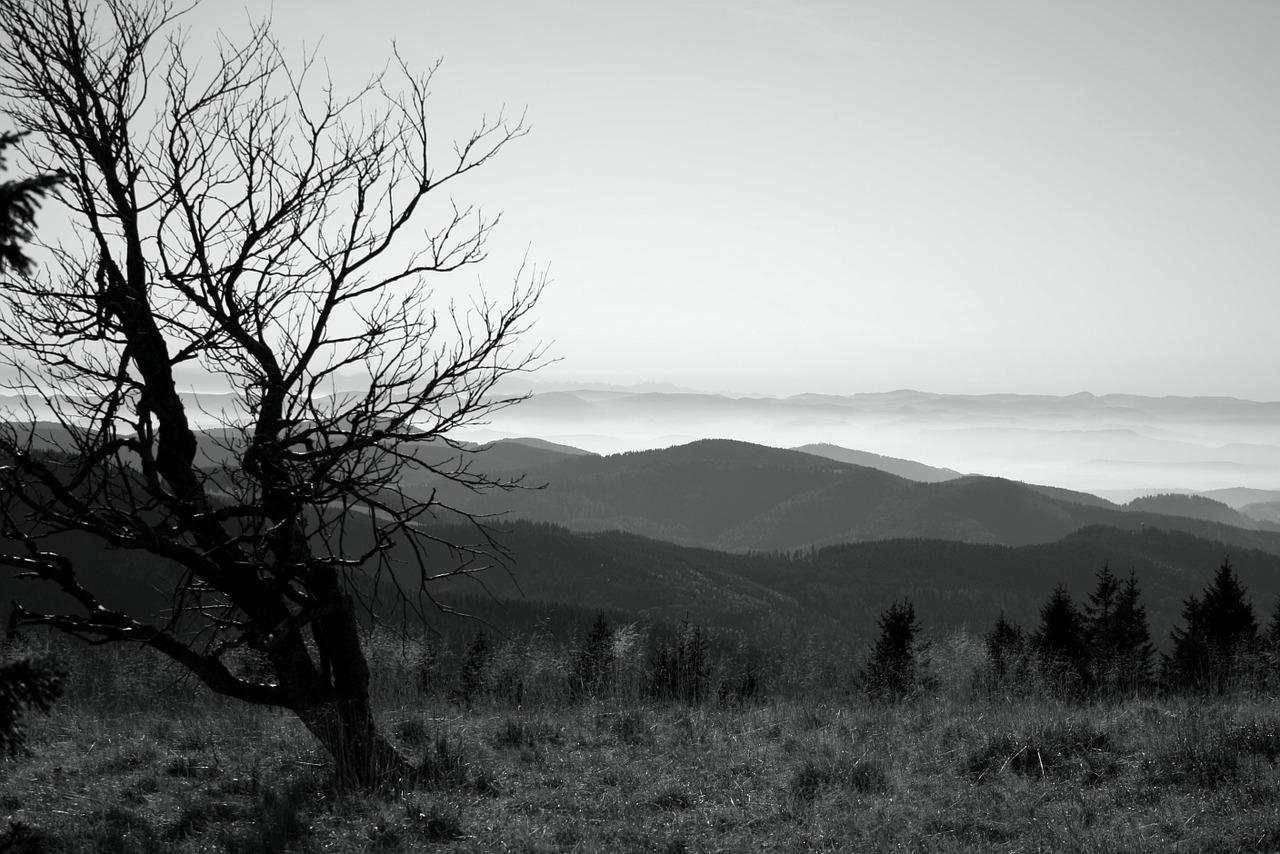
(736, 496)
(1083, 442)
(1117, 446)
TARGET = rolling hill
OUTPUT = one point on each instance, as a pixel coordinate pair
(737, 496)
(782, 545)
(830, 596)
(909, 469)
(835, 594)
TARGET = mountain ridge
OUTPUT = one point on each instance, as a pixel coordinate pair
(739, 496)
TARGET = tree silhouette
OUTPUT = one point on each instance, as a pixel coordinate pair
(594, 659)
(681, 669)
(1272, 638)
(891, 670)
(240, 217)
(1118, 641)
(19, 200)
(1217, 638)
(1006, 645)
(1060, 639)
(1134, 654)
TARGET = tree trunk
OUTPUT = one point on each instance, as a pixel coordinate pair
(363, 758)
(332, 700)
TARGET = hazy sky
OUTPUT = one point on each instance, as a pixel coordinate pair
(785, 196)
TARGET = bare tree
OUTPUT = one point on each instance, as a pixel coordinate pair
(237, 216)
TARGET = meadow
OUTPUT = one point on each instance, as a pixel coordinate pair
(530, 749)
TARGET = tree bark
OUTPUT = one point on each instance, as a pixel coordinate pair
(332, 700)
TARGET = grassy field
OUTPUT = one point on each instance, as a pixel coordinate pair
(131, 761)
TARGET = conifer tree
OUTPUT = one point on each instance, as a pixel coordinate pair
(1136, 653)
(1100, 616)
(682, 670)
(891, 671)
(1218, 637)
(1061, 636)
(1271, 642)
(1273, 628)
(1118, 641)
(594, 663)
(1006, 644)
(19, 199)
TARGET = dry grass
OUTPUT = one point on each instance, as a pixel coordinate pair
(929, 776)
(949, 771)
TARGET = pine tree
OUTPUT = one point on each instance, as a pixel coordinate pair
(1135, 652)
(1006, 645)
(594, 664)
(18, 202)
(1118, 641)
(1271, 642)
(1099, 613)
(1060, 639)
(473, 680)
(1219, 636)
(891, 671)
(682, 670)
(1273, 628)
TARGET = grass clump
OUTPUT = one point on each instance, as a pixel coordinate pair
(1201, 752)
(443, 766)
(816, 775)
(523, 732)
(1057, 749)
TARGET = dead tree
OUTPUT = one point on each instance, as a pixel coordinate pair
(238, 217)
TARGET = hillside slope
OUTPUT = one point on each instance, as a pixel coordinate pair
(738, 496)
(831, 595)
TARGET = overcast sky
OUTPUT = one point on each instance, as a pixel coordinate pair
(782, 196)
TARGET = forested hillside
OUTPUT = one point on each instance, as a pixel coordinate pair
(737, 496)
(836, 593)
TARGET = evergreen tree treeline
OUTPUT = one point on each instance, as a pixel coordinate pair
(1105, 647)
